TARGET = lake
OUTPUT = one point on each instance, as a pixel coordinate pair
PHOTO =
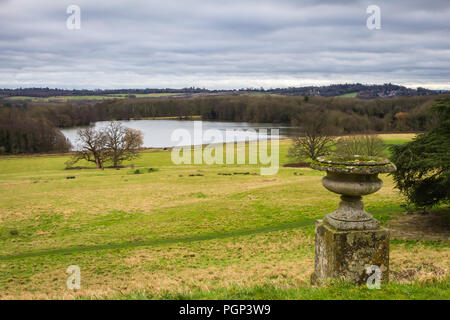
(158, 133)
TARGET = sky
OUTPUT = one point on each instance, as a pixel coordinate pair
(223, 44)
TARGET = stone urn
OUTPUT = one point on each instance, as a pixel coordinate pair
(352, 177)
(349, 241)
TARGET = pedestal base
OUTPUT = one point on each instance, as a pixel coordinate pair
(344, 254)
(351, 215)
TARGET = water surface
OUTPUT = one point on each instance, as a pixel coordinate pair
(158, 133)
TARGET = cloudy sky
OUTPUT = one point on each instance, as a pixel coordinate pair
(223, 43)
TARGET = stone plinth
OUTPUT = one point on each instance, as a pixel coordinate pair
(344, 254)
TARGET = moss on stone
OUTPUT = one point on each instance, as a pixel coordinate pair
(358, 165)
(344, 254)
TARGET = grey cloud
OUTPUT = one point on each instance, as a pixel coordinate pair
(223, 44)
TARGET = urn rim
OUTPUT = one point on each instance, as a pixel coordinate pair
(353, 164)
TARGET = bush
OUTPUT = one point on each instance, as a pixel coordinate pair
(363, 145)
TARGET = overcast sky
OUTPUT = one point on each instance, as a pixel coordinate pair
(223, 43)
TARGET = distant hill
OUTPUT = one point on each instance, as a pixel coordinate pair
(342, 90)
(55, 92)
(356, 90)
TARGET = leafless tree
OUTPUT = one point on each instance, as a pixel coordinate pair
(122, 143)
(91, 144)
(316, 139)
(115, 143)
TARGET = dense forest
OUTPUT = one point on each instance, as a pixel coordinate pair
(22, 132)
(32, 127)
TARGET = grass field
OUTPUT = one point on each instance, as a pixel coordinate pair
(349, 95)
(186, 231)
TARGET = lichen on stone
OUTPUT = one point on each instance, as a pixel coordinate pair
(356, 164)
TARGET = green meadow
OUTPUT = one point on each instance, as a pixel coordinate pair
(156, 230)
(349, 95)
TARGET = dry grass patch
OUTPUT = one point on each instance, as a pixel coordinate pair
(279, 258)
(391, 136)
(421, 263)
(433, 226)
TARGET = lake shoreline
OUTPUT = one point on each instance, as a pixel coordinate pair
(402, 135)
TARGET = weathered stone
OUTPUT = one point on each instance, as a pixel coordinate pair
(354, 164)
(351, 215)
(349, 239)
(352, 177)
(344, 254)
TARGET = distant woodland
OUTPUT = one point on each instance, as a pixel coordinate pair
(360, 90)
(30, 127)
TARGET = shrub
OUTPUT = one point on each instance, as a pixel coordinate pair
(363, 145)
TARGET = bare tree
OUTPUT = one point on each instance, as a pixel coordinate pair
(91, 144)
(316, 139)
(122, 143)
(115, 143)
(364, 145)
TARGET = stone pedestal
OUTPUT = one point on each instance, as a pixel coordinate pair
(344, 254)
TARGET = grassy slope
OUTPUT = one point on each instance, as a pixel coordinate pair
(166, 234)
(348, 95)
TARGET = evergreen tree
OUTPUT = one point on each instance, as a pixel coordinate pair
(423, 165)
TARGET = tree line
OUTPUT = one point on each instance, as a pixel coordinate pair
(32, 127)
(20, 132)
(363, 91)
(53, 92)
(346, 115)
